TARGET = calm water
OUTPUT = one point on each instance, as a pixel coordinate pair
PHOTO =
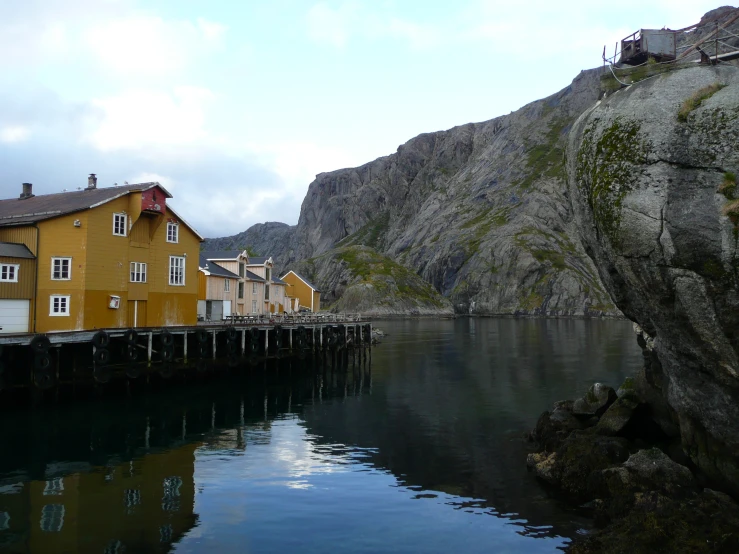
(420, 450)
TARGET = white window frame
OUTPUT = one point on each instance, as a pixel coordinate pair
(123, 219)
(177, 264)
(253, 288)
(253, 306)
(62, 261)
(227, 285)
(64, 300)
(173, 232)
(6, 270)
(138, 269)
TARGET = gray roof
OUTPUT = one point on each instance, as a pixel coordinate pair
(18, 211)
(254, 277)
(221, 254)
(306, 281)
(13, 250)
(254, 260)
(278, 281)
(214, 269)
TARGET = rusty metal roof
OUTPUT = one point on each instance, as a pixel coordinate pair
(21, 211)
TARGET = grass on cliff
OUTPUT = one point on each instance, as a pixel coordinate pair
(546, 159)
(374, 268)
(372, 234)
(696, 99)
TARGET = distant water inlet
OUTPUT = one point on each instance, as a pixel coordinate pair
(419, 449)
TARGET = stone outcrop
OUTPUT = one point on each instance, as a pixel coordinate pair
(652, 174)
(263, 239)
(479, 211)
(359, 279)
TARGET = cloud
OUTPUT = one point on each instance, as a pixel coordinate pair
(147, 44)
(335, 26)
(15, 133)
(140, 118)
(332, 25)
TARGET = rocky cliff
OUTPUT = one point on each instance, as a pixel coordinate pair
(479, 211)
(652, 172)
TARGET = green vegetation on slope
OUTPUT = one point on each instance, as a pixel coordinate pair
(381, 272)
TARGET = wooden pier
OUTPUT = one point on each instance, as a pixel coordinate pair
(44, 360)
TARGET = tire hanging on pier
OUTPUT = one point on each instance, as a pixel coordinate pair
(232, 346)
(42, 361)
(132, 353)
(253, 347)
(278, 337)
(44, 379)
(133, 372)
(232, 334)
(166, 338)
(254, 332)
(40, 344)
(166, 353)
(101, 339)
(341, 335)
(202, 336)
(101, 356)
(204, 350)
(130, 336)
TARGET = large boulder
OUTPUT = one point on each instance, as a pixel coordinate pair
(595, 402)
(652, 172)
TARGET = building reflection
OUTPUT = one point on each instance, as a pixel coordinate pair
(142, 505)
(118, 476)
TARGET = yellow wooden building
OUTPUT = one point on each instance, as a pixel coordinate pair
(112, 257)
(307, 294)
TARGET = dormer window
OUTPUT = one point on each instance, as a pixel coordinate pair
(119, 225)
(173, 232)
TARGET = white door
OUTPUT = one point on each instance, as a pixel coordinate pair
(226, 308)
(14, 316)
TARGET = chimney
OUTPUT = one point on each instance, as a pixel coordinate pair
(27, 188)
(92, 182)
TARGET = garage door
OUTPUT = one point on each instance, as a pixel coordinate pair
(13, 316)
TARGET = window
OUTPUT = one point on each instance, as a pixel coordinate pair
(253, 288)
(173, 232)
(138, 272)
(227, 285)
(119, 225)
(266, 291)
(9, 273)
(171, 494)
(54, 487)
(176, 270)
(58, 305)
(253, 306)
(52, 518)
(268, 272)
(61, 269)
(241, 289)
(242, 269)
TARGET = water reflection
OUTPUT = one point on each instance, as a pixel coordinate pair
(422, 453)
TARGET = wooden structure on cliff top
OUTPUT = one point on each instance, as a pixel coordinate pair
(709, 41)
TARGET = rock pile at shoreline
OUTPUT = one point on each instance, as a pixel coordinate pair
(607, 454)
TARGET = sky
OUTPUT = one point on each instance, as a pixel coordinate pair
(235, 105)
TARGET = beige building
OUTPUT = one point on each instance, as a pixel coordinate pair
(218, 291)
(274, 298)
